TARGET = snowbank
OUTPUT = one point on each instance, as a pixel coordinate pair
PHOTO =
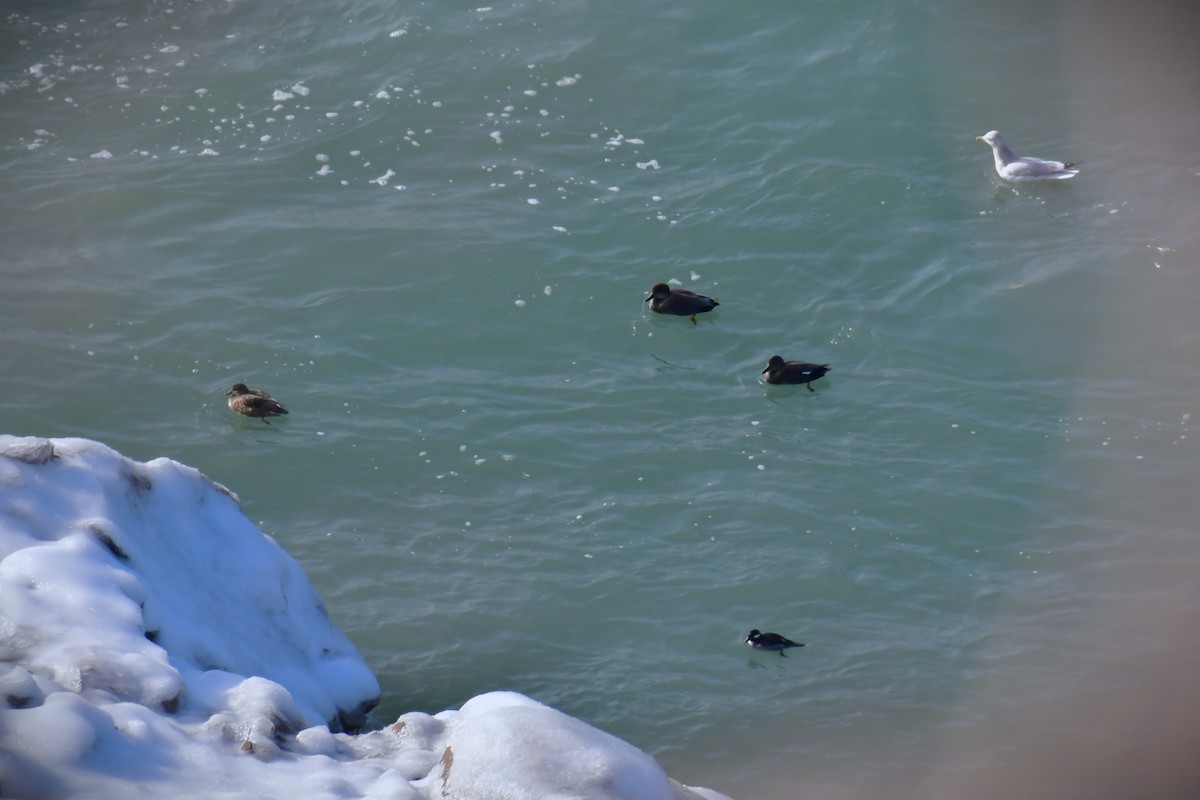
(151, 635)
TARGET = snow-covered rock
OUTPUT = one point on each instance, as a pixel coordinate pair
(155, 643)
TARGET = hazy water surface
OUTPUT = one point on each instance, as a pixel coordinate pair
(429, 229)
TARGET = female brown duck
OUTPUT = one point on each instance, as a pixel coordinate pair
(254, 403)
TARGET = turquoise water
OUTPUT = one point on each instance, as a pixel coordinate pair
(429, 229)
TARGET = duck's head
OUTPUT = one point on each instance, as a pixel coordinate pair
(659, 290)
(237, 390)
(772, 363)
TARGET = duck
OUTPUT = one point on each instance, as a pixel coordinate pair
(770, 641)
(1012, 167)
(254, 403)
(679, 302)
(780, 371)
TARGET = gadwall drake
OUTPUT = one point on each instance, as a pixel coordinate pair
(780, 371)
(679, 302)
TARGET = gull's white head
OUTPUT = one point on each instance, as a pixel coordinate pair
(993, 138)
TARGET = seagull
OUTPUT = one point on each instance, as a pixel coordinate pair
(254, 403)
(679, 302)
(780, 371)
(770, 641)
(1025, 168)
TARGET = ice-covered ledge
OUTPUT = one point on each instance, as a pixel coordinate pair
(150, 633)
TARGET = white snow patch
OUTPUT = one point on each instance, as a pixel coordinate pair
(154, 638)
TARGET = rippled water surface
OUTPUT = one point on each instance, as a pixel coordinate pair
(429, 229)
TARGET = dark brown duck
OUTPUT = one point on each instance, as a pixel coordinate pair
(254, 403)
(780, 371)
(679, 302)
(770, 641)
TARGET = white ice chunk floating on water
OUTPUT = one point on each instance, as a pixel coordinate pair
(153, 637)
(383, 179)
